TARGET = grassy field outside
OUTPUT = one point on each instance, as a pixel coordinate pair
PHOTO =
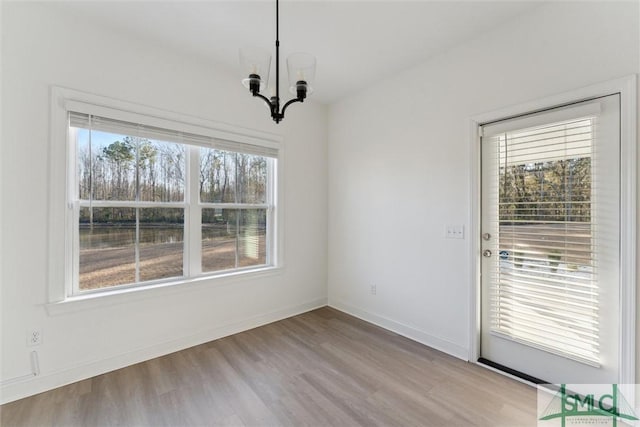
(107, 256)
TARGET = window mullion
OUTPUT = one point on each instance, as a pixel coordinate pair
(137, 190)
(238, 213)
(137, 245)
(193, 215)
(236, 198)
(130, 204)
(235, 205)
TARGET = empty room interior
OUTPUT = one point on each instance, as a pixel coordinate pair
(320, 213)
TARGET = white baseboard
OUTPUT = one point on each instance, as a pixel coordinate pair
(404, 330)
(37, 384)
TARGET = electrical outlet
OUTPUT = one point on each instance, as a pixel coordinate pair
(34, 337)
(373, 289)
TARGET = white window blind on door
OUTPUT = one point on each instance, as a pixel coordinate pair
(544, 287)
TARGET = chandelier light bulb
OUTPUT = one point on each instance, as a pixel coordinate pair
(302, 69)
(255, 65)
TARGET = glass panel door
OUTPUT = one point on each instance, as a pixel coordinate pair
(550, 221)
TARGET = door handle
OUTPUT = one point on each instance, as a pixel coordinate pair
(486, 253)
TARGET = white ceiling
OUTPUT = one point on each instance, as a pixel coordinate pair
(357, 43)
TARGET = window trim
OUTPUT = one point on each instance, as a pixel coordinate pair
(61, 157)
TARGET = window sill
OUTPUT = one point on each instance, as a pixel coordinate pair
(120, 296)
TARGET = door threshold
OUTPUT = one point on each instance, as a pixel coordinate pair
(505, 370)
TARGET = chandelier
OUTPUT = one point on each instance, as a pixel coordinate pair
(255, 65)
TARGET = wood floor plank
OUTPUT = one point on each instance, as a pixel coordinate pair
(321, 368)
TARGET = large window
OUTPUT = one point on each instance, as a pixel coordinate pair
(152, 204)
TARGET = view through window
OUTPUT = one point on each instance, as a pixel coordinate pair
(140, 217)
(547, 293)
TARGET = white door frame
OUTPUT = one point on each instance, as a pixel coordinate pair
(626, 87)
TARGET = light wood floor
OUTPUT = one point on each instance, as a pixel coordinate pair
(322, 368)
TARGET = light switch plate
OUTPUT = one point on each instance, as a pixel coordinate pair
(455, 232)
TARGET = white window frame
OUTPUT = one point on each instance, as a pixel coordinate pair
(63, 210)
(626, 87)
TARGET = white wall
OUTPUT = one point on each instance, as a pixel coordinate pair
(399, 160)
(42, 47)
(398, 173)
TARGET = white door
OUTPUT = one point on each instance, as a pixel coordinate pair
(550, 243)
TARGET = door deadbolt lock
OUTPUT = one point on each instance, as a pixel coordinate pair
(486, 236)
(486, 253)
